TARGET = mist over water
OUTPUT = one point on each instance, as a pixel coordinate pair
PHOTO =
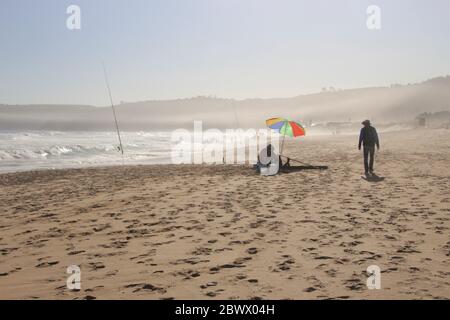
(30, 150)
(33, 150)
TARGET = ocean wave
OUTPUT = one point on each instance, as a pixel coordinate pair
(52, 151)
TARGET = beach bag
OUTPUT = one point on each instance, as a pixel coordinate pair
(269, 170)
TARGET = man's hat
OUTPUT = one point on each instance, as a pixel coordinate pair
(365, 122)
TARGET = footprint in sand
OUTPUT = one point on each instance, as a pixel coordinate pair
(355, 283)
(284, 265)
(145, 287)
(209, 284)
(46, 264)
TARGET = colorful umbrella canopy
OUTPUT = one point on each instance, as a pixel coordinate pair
(286, 127)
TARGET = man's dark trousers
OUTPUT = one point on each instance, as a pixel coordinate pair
(369, 150)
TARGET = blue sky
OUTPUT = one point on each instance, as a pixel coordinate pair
(162, 49)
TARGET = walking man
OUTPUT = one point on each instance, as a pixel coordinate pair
(368, 137)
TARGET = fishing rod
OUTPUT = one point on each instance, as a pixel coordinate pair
(114, 111)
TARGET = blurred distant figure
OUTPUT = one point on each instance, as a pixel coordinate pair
(369, 139)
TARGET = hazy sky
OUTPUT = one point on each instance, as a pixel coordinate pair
(160, 49)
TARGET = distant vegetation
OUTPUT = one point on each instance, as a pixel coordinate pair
(394, 104)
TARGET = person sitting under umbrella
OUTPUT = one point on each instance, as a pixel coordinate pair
(268, 161)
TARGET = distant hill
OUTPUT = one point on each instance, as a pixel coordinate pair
(397, 103)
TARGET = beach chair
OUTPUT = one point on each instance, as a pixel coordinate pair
(267, 169)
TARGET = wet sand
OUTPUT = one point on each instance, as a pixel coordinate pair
(223, 232)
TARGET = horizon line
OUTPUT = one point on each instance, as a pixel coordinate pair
(212, 96)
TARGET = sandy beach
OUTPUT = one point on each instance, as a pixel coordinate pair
(224, 232)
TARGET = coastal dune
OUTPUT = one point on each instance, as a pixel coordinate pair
(224, 232)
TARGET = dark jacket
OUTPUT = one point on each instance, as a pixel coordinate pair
(368, 137)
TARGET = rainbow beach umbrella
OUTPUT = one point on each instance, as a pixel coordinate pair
(286, 127)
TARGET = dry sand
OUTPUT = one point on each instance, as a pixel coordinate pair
(223, 232)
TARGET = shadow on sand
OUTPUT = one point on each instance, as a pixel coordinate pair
(291, 169)
(372, 178)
